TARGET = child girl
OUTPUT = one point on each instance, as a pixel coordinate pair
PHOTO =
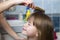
(38, 27)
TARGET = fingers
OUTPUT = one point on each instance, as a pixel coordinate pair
(31, 5)
(22, 3)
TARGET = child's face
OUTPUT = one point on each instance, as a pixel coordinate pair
(29, 29)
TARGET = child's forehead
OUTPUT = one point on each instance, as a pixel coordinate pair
(32, 17)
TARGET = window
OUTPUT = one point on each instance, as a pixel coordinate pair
(56, 21)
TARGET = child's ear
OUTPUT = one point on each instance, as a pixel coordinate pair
(36, 34)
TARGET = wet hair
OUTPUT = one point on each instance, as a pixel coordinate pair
(44, 25)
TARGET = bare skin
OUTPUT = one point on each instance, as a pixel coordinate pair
(5, 5)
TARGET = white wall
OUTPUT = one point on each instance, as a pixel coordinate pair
(58, 35)
(50, 6)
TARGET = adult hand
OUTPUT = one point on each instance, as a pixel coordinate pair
(22, 1)
(31, 6)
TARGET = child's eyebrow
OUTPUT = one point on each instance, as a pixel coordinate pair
(29, 22)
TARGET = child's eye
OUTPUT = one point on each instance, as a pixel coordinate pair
(29, 24)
